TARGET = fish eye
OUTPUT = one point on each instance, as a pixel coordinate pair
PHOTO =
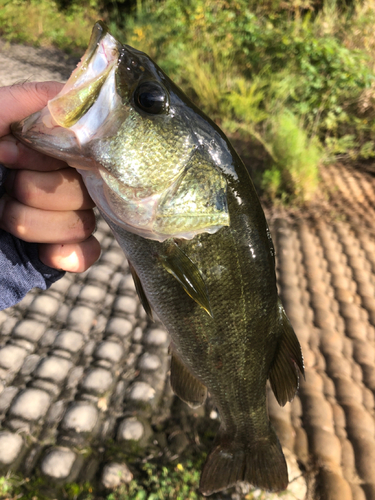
(151, 97)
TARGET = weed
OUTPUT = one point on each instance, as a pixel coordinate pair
(160, 482)
(293, 173)
(6, 486)
(39, 22)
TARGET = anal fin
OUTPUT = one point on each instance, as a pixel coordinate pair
(185, 385)
(141, 292)
(288, 362)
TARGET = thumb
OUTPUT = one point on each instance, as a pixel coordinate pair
(19, 101)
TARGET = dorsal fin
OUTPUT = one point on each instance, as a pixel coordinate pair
(185, 385)
(288, 362)
(187, 274)
(141, 292)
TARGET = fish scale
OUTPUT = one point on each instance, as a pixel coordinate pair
(184, 210)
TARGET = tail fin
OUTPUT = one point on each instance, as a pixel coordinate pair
(260, 463)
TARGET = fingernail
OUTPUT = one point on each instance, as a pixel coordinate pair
(8, 151)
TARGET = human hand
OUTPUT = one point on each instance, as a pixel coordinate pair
(46, 201)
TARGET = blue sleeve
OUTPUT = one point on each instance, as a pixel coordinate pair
(20, 267)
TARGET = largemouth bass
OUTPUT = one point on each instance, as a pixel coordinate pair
(184, 210)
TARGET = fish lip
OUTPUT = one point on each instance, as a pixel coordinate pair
(26, 123)
(97, 34)
(33, 132)
(84, 86)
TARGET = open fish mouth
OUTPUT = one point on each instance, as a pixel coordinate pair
(73, 105)
(87, 107)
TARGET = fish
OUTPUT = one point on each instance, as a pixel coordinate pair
(183, 208)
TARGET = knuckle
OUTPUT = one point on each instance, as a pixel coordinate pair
(89, 222)
(81, 224)
(24, 187)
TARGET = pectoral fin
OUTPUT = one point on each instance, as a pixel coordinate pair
(187, 274)
(141, 292)
(185, 385)
(288, 362)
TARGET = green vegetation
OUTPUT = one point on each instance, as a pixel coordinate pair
(289, 80)
(294, 81)
(13, 487)
(6, 487)
(40, 22)
(159, 482)
(154, 481)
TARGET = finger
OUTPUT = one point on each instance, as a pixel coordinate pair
(74, 258)
(19, 101)
(58, 190)
(16, 155)
(43, 226)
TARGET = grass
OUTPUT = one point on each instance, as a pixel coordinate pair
(295, 157)
(7, 486)
(157, 482)
(40, 23)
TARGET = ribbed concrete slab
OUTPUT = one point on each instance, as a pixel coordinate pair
(82, 368)
(326, 279)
